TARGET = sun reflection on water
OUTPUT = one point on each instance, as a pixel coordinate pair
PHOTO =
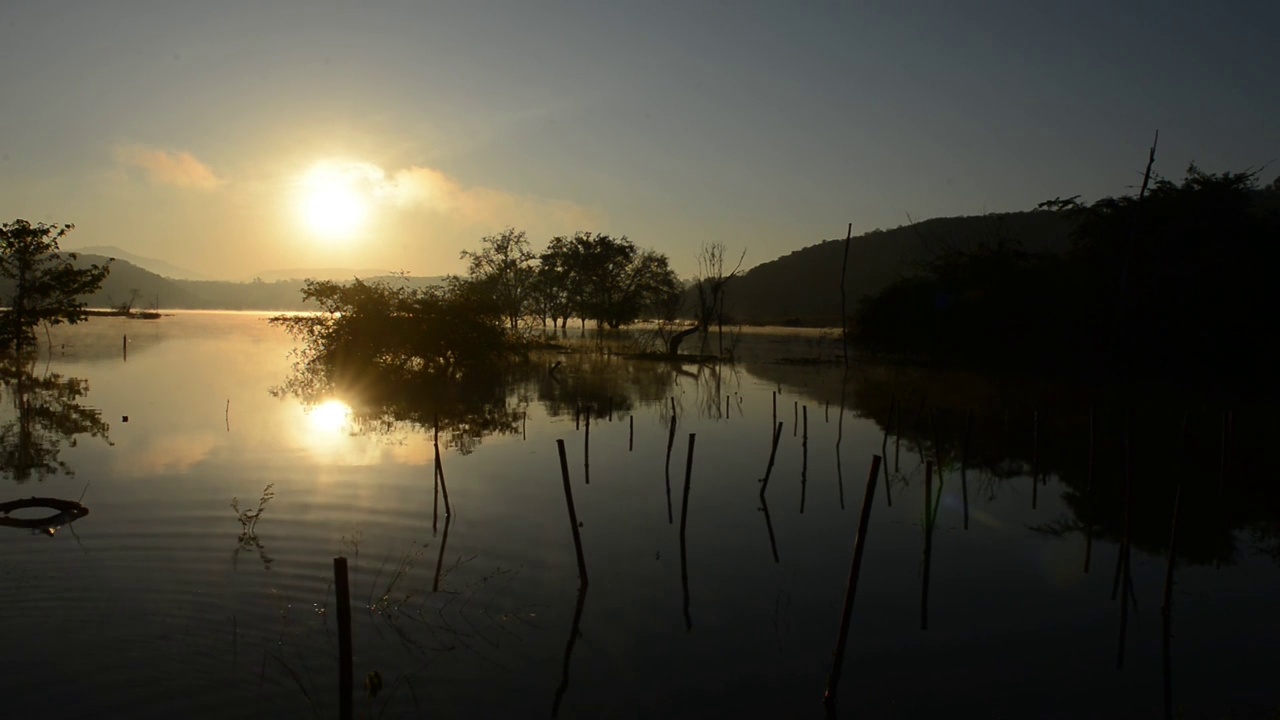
(329, 418)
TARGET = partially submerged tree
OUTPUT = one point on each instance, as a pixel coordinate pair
(47, 285)
(388, 331)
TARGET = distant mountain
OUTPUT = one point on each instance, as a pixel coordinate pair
(317, 274)
(159, 267)
(803, 287)
(145, 289)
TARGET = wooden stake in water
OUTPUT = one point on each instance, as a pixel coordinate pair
(1035, 457)
(851, 588)
(928, 544)
(1088, 498)
(631, 433)
(573, 516)
(964, 465)
(795, 427)
(773, 453)
(684, 521)
(586, 451)
(124, 347)
(444, 489)
(343, 591)
(1166, 609)
(775, 409)
(804, 458)
(726, 407)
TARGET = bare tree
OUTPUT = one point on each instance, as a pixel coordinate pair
(711, 284)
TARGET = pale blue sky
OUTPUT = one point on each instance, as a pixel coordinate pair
(180, 129)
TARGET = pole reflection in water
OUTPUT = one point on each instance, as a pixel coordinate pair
(684, 520)
(568, 651)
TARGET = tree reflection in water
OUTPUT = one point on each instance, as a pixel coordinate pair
(44, 413)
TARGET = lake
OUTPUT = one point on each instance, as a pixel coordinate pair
(702, 601)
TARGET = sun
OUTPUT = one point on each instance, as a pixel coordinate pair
(333, 202)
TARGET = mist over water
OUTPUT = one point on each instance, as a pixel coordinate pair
(161, 602)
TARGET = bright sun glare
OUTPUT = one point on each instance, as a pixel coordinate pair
(330, 417)
(333, 205)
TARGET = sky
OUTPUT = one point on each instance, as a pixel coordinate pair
(241, 136)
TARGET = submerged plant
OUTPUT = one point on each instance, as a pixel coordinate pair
(249, 518)
(248, 539)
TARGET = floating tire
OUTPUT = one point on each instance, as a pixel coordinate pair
(65, 511)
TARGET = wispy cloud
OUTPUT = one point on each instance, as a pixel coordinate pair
(431, 190)
(179, 169)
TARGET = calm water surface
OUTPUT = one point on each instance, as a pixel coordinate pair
(159, 604)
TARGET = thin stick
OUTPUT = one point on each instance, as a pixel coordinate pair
(671, 441)
(1088, 496)
(227, 415)
(684, 521)
(775, 409)
(444, 541)
(844, 314)
(804, 455)
(768, 524)
(773, 452)
(1166, 610)
(964, 465)
(343, 591)
(884, 448)
(795, 427)
(631, 433)
(573, 516)
(851, 589)
(568, 651)
(586, 451)
(928, 543)
(444, 489)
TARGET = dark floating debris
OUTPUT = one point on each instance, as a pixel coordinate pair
(67, 511)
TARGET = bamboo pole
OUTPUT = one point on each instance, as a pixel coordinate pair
(928, 544)
(1088, 495)
(851, 588)
(804, 458)
(684, 521)
(444, 489)
(773, 452)
(444, 542)
(568, 651)
(573, 516)
(343, 591)
(844, 314)
(1166, 609)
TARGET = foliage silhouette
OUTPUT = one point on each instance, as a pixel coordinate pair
(1192, 305)
(46, 287)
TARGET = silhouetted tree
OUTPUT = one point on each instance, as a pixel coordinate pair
(1172, 283)
(47, 286)
(504, 267)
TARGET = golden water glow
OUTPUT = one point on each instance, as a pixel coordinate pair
(333, 202)
(328, 419)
